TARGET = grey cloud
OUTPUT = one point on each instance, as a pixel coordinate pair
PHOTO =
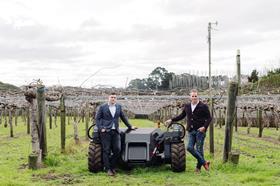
(259, 15)
(181, 7)
(176, 41)
(46, 43)
(47, 53)
(230, 40)
(35, 42)
(90, 23)
(100, 34)
(182, 47)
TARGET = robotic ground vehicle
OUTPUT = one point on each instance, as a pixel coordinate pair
(144, 146)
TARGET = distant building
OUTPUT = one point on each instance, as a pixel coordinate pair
(188, 81)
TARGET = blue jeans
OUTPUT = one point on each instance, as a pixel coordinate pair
(197, 138)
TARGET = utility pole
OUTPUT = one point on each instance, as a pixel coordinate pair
(211, 130)
(238, 71)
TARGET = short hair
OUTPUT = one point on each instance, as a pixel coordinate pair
(113, 93)
(193, 90)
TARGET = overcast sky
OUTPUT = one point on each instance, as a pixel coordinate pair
(66, 41)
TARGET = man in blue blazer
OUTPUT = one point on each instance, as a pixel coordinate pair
(198, 120)
(107, 122)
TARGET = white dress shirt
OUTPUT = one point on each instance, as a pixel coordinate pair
(112, 109)
(193, 106)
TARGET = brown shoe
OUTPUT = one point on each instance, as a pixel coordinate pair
(197, 170)
(207, 165)
(114, 171)
(110, 173)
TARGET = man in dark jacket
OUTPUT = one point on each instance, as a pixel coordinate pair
(107, 122)
(198, 120)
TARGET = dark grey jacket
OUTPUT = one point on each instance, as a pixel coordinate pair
(104, 119)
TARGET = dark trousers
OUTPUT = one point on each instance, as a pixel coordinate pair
(197, 138)
(111, 148)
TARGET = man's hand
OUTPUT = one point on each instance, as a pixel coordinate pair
(103, 130)
(133, 128)
(201, 129)
(167, 122)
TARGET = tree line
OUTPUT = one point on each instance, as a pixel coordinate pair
(161, 79)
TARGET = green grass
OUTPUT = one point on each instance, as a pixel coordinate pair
(272, 81)
(259, 162)
(7, 87)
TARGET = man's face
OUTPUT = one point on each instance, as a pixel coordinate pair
(112, 99)
(194, 97)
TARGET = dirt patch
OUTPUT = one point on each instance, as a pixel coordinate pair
(253, 145)
(69, 179)
(48, 177)
(16, 136)
(23, 166)
(51, 175)
(265, 138)
(247, 154)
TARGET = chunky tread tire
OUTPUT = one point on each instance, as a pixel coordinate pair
(95, 163)
(178, 157)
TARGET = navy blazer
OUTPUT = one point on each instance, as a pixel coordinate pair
(200, 117)
(104, 119)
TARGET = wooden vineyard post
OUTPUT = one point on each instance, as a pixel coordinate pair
(33, 161)
(157, 117)
(259, 121)
(234, 157)
(1, 113)
(224, 116)
(28, 120)
(220, 118)
(35, 158)
(75, 126)
(55, 118)
(235, 120)
(68, 117)
(36, 151)
(211, 128)
(160, 115)
(16, 117)
(243, 119)
(277, 125)
(62, 121)
(41, 119)
(5, 118)
(75, 115)
(231, 104)
(1, 117)
(23, 115)
(11, 123)
(272, 118)
(86, 113)
(35, 95)
(82, 115)
(50, 117)
(164, 114)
